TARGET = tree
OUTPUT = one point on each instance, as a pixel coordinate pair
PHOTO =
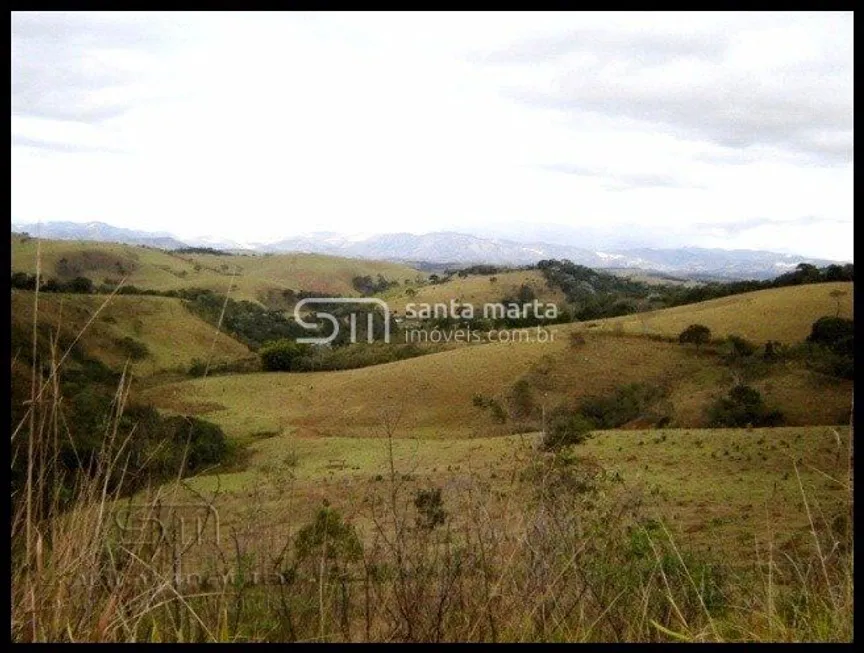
(697, 334)
(835, 333)
(807, 273)
(837, 294)
(744, 406)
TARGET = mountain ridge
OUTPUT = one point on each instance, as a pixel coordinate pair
(457, 248)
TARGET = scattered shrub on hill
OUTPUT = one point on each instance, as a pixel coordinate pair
(430, 508)
(744, 406)
(565, 426)
(366, 285)
(497, 410)
(697, 334)
(520, 399)
(76, 263)
(328, 538)
(627, 403)
(737, 347)
(134, 349)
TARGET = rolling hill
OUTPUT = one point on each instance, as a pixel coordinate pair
(255, 277)
(783, 314)
(476, 290)
(172, 336)
(352, 402)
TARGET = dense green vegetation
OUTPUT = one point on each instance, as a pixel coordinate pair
(290, 356)
(248, 322)
(87, 409)
(598, 295)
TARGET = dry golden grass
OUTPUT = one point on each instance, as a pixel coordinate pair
(156, 269)
(783, 314)
(171, 333)
(434, 392)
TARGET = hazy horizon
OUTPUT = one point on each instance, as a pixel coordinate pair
(716, 130)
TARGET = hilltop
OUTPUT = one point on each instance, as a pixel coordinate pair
(255, 277)
(783, 314)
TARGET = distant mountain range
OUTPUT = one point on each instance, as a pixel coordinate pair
(99, 231)
(458, 249)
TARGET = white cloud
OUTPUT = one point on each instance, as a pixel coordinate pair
(258, 126)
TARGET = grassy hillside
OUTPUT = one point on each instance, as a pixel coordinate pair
(437, 403)
(161, 270)
(478, 290)
(172, 336)
(784, 314)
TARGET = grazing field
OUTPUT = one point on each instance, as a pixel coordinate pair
(172, 336)
(783, 314)
(719, 489)
(154, 269)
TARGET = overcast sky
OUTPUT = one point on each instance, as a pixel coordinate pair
(721, 130)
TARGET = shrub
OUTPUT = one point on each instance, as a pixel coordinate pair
(498, 412)
(565, 426)
(521, 399)
(627, 403)
(202, 443)
(134, 349)
(328, 537)
(696, 334)
(198, 367)
(744, 406)
(739, 347)
(430, 508)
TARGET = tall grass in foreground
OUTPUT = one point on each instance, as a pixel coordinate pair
(568, 554)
